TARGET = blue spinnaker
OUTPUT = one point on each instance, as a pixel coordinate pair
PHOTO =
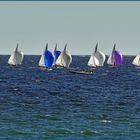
(56, 54)
(48, 58)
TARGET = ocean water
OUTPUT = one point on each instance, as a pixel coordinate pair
(58, 105)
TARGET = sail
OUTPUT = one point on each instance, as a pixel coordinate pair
(93, 61)
(101, 57)
(67, 59)
(59, 60)
(22, 56)
(136, 60)
(11, 60)
(48, 58)
(41, 61)
(110, 60)
(16, 57)
(118, 58)
(97, 59)
(56, 53)
(115, 58)
(42, 58)
(64, 59)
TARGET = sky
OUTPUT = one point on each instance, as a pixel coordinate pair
(80, 24)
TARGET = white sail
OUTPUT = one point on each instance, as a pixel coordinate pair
(16, 58)
(64, 59)
(136, 60)
(11, 60)
(93, 61)
(59, 60)
(41, 61)
(97, 58)
(101, 57)
(110, 60)
(22, 56)
(67, 59)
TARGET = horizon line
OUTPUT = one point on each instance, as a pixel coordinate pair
(74, 54)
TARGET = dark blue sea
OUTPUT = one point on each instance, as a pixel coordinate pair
(36, 104)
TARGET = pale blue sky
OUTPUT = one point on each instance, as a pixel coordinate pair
(80, 24)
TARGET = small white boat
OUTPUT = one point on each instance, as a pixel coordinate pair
(136, 60)
(97, 58)
(116, 58)
(64, 59)
(46, 59)
(16, 57)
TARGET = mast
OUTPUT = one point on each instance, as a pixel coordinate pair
(96, 47)
(46, 47)
(114, 47)
(65, 47)
(112, 57)
(55, 48)
(16, 48)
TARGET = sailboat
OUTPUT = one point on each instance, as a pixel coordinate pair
(97, 58)
(16, 57)
(64, 59)
(136, 60)
(46, 59)
(115, 58)
(56, 54)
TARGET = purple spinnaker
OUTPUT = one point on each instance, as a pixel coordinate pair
(118, 58)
